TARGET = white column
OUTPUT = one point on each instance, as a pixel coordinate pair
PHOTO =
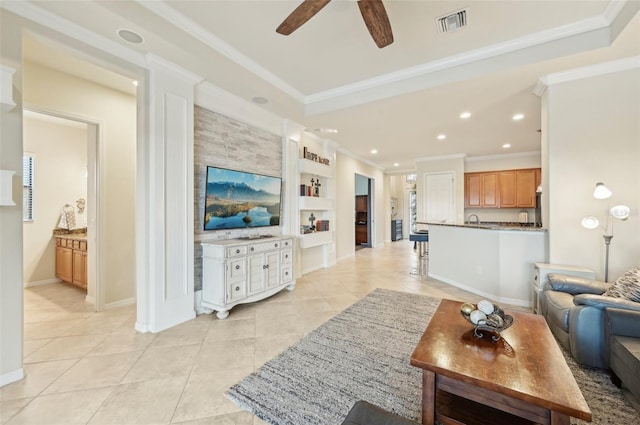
(165, 198)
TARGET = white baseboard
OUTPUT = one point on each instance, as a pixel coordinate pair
(494, 297)
(13, 376)
(41, 282)
(120, 303)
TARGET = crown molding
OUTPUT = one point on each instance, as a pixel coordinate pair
(36, 14)
(211, 97)
(350, 154)
(190, 27)
(441, 157)
(611, 67)
(155, 61)
(542, 37)
(501, 156)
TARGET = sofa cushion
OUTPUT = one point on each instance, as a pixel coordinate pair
(626, 286)
(558, 306)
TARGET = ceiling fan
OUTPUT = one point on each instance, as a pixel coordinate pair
(373, 13)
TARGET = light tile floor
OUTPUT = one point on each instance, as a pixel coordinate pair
(84, 367)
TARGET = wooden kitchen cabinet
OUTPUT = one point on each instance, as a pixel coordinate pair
(361, 203)
(502, 189)
(71, 261)
(481, 190)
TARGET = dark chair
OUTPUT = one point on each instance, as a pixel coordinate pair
(364, 413)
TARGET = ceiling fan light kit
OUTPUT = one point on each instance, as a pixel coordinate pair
(373, 13)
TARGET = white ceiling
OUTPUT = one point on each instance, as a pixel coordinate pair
(330, 74)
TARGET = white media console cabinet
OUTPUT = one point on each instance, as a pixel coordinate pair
(238, 271)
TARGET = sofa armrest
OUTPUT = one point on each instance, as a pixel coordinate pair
(576, 285)
(600, 301)
(622, 322)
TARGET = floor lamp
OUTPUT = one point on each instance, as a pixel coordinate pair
(620, 212)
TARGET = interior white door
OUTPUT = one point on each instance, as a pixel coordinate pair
(439, 200)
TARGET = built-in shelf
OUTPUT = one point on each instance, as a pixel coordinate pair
(316, 239)
(315, 168)
(315, 203)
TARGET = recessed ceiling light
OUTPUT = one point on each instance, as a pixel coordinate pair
(374, 151)
(465, 115)
(130, 36)
(517, 117)
(506, 146)
(395, 164)
(260, 100)
(442, 136)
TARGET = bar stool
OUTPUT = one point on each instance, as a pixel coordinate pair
(420, 239)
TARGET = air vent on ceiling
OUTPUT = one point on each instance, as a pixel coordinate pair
(453, 21)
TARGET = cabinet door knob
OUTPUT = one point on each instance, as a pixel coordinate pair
(237, 267)
(237, 251)
(237, 288)
(275, 244)
(266, 266)
(252, 248)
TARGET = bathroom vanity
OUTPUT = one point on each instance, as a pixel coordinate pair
(71, 258)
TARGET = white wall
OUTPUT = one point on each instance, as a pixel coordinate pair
(116, 112)
(593, 133)
(11, 291)
(59, 177)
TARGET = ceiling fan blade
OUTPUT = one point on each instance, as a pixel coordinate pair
(375, 16)
(300, 15)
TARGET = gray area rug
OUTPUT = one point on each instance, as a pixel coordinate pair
(363, 354)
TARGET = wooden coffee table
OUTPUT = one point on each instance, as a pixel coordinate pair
(521, 379)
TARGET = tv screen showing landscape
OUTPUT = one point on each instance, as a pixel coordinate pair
(237, 199)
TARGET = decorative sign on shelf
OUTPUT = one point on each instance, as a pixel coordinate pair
(314, 157)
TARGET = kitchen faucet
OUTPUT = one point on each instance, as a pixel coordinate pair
(473, 215)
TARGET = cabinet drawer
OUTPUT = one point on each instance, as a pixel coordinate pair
(236, 291)
(287, 274)
(235, 251)
(286, 256)
(264, 246)
(237, 268)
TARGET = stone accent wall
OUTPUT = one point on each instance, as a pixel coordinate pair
(224, 142)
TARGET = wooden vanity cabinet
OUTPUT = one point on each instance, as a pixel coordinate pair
(71, 261)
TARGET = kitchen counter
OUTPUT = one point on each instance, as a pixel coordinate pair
(72, 236)
(494, 226)
(493, 261)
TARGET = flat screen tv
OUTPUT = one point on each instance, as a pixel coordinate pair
(238, 199)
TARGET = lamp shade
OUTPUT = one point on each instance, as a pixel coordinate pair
(601, 191)
(590, 222)
(620, 212)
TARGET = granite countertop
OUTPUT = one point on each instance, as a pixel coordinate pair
(496, 226)
(76, 236)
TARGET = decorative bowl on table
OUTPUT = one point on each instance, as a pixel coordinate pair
(487, 318)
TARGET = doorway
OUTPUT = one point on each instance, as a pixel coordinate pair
(363, 212)
(62, 150)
